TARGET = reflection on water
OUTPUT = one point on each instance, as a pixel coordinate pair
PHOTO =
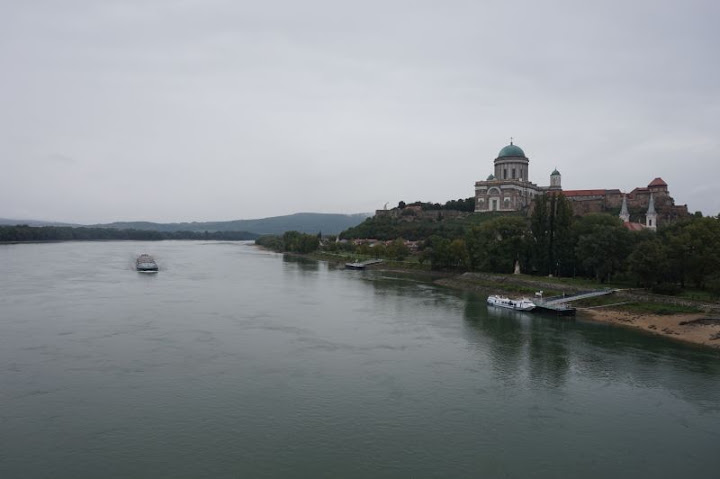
(550, 347)
(549, 355)
(236, 362)
(303, 264)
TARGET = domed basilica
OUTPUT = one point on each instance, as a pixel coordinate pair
(508, 188)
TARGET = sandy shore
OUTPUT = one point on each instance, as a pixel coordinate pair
(691, 328)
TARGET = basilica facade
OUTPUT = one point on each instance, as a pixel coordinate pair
(509, 188)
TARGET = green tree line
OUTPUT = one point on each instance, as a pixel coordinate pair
(467, 205)
(597, 246)
(25, 233)
(290, 242)
(386, 228)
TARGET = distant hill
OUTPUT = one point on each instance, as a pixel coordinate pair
(326, 223)
(11, 222)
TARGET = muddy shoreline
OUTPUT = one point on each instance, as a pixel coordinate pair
(696, 328)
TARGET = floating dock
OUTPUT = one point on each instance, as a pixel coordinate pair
(559, 309)
(559, 304)
(362, 264)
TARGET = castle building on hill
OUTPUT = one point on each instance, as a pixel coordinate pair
(508, 188)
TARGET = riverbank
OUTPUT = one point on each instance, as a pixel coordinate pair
(675, 318)
(696, 328)
(649, 313)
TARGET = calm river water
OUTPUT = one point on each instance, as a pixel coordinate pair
(232, 362)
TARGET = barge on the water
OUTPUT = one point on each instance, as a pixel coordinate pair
(146, 264)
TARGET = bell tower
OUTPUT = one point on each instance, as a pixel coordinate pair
(651, 215)
(555, 178)
(624, 215)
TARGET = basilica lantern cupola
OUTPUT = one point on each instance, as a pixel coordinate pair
(511, 164)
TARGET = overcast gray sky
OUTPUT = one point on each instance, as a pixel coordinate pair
(229, 109)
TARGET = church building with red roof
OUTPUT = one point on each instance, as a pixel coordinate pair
(508, 188)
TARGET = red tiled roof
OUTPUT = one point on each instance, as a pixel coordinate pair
(584, 192)
(657, 182)
(633, 226)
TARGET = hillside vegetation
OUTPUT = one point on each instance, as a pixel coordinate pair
(25, 233)
(303, 222)
(550, 242)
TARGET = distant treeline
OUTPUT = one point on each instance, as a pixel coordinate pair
(25, 233)
(467, 204)
(290, 242)
(302, 222)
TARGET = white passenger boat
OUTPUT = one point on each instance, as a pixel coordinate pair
(522, 304)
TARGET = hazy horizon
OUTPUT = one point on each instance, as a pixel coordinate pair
(174, 112)
(43, 220)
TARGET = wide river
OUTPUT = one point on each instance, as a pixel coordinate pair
(233, 362)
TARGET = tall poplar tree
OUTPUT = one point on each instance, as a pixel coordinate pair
(552, 244)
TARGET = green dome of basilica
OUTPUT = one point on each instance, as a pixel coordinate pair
(511, 150)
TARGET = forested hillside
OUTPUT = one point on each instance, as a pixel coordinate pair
(25, 233)
(303, 222)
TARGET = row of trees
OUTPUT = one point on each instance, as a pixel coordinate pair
(386, 228)
(291, 242)
(25, 233)
(294, 242)
(467, 205)
(396, 250)
(596, 246)
(550, 242)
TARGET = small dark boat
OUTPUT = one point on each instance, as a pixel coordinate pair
(355, 265)
(146, 264)
(362, 264)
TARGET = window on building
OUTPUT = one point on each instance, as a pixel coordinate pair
(504, 174)
(513, 173)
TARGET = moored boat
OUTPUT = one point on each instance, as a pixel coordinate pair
(146, 264)
(522, 304)
(355, 265)
(362, 264)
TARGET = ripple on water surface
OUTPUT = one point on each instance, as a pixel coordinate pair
(234, 362)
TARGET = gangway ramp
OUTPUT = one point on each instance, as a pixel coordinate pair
(577, 297)
(362, 264)
(559, 304)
